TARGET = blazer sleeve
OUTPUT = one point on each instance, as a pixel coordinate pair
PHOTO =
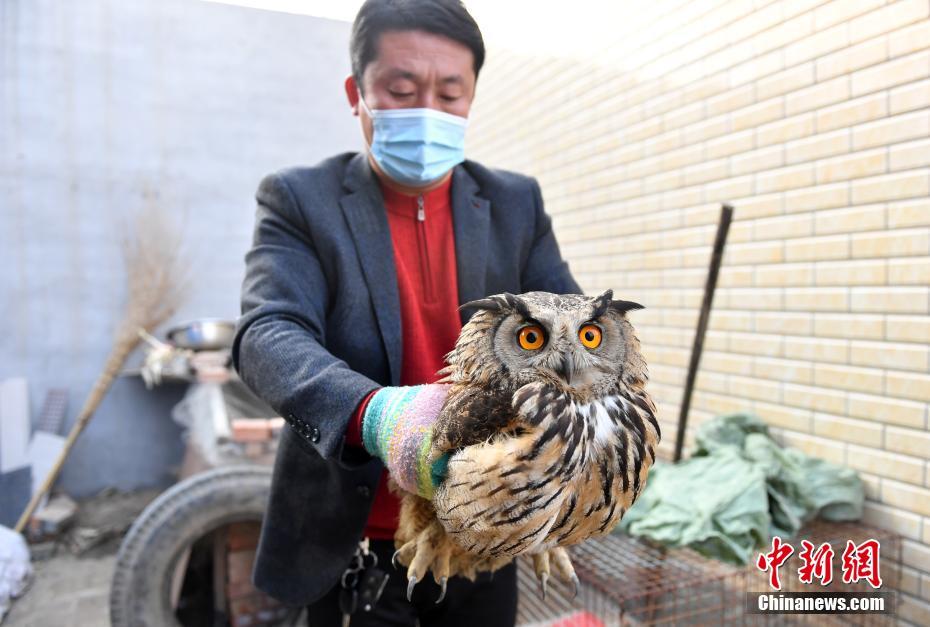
(279, 346)
(545, 270)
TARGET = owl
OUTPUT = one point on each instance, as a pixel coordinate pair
(550, 434)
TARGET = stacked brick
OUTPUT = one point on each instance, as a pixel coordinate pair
(257, 438)
(247, 606)
(812, 118)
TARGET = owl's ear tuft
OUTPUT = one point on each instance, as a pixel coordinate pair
(624, 306)
(499, 303)
(491, 303)
(601, 303)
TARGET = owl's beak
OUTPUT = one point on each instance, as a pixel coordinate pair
(566, 368)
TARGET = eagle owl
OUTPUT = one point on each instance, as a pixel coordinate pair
(550, 433)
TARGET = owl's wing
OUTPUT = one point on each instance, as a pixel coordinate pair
(471, 416)
(502, 496)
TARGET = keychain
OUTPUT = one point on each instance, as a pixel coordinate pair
(362, 583)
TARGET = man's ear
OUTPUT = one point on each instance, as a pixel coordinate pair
(352, 93)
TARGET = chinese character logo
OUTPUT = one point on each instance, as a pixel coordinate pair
(860, 561)
(816, 564)
(773, 560)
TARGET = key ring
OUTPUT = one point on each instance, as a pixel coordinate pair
(357, 564)
(345, 582)
(354, 567)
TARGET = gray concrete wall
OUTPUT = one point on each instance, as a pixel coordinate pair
(106, 105)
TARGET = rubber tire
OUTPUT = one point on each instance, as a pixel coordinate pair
(140, 590)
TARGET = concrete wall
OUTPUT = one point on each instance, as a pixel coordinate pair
(813, 118)
(106, 106)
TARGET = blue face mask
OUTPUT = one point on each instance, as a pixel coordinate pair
(416, 146)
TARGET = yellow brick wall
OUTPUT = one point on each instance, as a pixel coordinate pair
(813, 119)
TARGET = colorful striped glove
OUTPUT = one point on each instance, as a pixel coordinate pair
(397, 428)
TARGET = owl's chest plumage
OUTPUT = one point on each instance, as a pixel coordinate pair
(564, 471)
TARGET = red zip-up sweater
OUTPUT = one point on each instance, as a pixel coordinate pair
(424, 259)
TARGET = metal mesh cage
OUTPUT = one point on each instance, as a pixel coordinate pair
(627, 581)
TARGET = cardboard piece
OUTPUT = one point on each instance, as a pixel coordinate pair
(15, 426)
(53, 517)
(44, 449)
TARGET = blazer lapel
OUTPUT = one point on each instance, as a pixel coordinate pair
(364, 211)
(471, 221)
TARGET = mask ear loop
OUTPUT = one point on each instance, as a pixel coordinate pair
(371, 117)
(365, 105)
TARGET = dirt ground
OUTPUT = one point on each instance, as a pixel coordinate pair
(67, 590)
(71, 586)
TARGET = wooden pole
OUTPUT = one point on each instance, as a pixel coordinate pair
(723, 226)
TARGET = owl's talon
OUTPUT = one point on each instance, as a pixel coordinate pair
(394, 562)
(442, 588)
(541, 566)
(411, 582)
(576, 584)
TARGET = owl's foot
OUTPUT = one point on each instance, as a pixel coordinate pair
(429, 550)
(556, 559)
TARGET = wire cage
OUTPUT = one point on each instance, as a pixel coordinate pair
(628, 581)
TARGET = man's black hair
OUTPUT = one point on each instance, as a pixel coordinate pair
(447, 18)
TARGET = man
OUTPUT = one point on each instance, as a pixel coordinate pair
(350, 302)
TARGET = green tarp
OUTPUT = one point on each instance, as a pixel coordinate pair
(737, 490)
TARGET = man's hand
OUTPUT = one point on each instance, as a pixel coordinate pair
(397, 428)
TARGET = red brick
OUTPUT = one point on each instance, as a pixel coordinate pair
(240, 590)
(240, 566)
(243, 535)
(251, 430)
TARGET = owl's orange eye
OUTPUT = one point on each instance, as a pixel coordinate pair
(590, 335)
(531, 337)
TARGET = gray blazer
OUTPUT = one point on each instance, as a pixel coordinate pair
(320, 328)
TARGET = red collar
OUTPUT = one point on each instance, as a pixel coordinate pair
(406, 205)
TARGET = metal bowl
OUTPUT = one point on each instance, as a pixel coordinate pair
(206, 334)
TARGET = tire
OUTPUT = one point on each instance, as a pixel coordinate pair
(141, 588)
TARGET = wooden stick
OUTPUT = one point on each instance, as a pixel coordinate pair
(156, 281)
(723, 226)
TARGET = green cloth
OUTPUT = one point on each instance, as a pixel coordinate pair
(737, 490)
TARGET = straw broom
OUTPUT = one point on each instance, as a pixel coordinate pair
(156, 281)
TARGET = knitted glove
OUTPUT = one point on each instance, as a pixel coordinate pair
(397, 428)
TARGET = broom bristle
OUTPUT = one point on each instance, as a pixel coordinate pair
(157, 281)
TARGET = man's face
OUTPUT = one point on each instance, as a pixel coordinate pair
(415, 69)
